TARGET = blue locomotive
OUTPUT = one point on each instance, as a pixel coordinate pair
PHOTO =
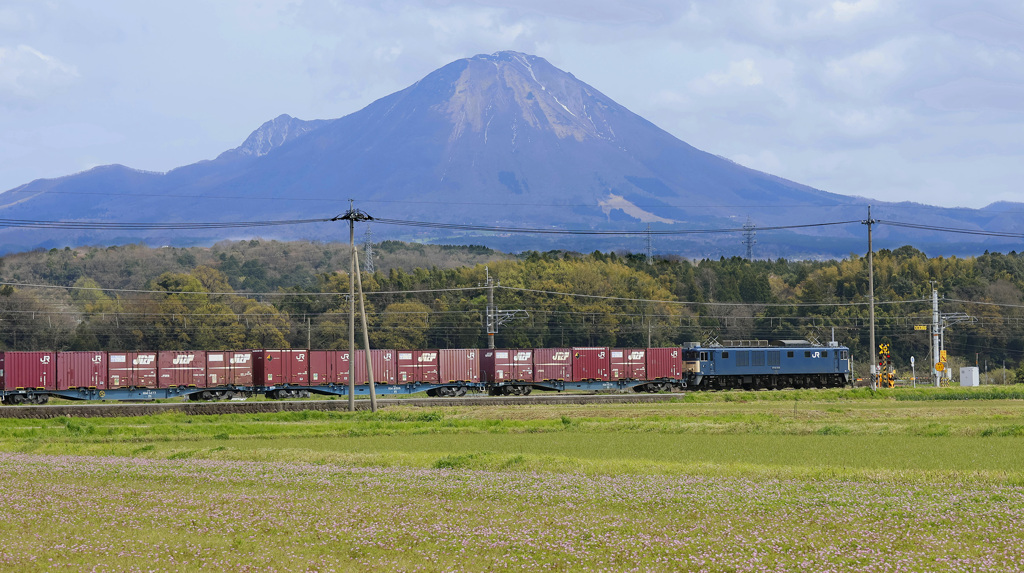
(768, 365)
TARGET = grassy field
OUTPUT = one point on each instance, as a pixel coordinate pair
(844, 480)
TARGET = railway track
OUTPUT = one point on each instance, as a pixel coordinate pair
(93, 410)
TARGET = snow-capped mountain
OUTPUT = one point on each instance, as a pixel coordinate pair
(499, 140)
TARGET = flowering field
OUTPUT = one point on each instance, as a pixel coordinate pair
(123, 514)
(831, 485)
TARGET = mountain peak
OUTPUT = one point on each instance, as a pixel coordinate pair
(275, 133)
(520, 91)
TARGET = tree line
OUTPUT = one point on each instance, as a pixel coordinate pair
(269, 294)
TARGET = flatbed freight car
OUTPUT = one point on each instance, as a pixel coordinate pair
(34, 377)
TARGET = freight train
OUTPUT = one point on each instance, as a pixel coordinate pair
(34, 377)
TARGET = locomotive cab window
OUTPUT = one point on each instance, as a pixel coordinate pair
(843, 355)
(703, 355)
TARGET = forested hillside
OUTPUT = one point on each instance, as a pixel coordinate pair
(272, 294)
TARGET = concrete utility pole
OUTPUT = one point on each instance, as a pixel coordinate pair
(935, 337)
(492, 326)
(495, 317)
(871, 298)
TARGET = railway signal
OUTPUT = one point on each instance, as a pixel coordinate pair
(887, 373)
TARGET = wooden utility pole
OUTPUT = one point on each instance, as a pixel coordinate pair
(351, 311)
(353, 215)
(366, 341)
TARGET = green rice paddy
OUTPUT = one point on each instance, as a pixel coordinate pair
(915, 480)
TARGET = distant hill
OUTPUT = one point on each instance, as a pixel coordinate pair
(497, 140)
(254, 265)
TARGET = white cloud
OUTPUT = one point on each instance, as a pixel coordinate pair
(742, 73)
(846, 11)
(868, 71)
(27, 75)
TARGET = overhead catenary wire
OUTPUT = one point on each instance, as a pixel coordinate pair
(458, 289)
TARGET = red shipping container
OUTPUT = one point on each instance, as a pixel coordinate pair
(231, 368)
(28, 370)
(280, 367)
(510, 365)
(328, 367)
(459, 365)
(131, 370)
(591, 363)
(416, 366)
(81, 370)
(384, 370)
(628, 364)
(181, 368)
(552, 364)
(664, 363)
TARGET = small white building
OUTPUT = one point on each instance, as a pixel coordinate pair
(969, 376)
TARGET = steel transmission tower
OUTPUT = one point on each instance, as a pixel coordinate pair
(749, 238)
(649, 246)
(368, 249)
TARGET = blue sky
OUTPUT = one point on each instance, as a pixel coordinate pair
(896, 100)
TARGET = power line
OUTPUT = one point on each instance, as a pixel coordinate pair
(766, 304)
(98, 225)
(554, 231)
(236, 293)
(950, 229)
